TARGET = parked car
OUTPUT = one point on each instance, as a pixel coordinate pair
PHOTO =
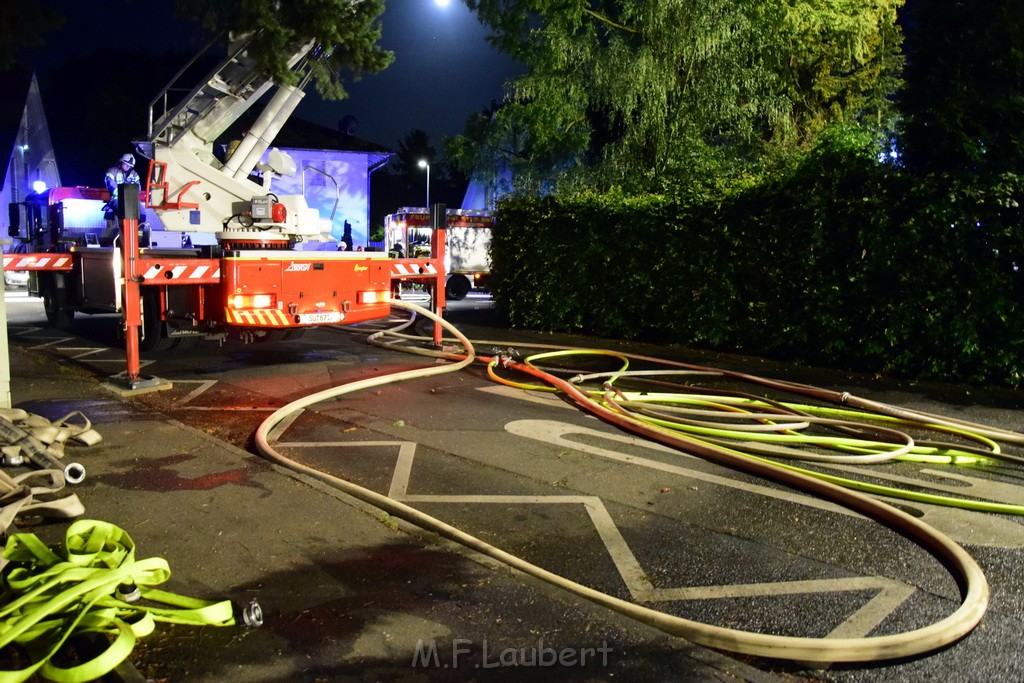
(16, 278)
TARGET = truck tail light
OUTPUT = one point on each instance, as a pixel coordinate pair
(260, 301)
(374, 297)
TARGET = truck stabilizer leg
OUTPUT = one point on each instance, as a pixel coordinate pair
(130, 381)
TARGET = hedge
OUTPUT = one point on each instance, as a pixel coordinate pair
(843, 262)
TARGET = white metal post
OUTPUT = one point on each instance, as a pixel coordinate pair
(5, 355)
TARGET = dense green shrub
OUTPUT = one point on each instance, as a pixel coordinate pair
(839, 260)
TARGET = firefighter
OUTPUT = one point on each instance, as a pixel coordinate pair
(346, 236)
(121, 173)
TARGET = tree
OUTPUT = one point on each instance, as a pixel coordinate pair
(348, 30)
(637, 91)
(963, 105)
(412, 148)
(447, 184)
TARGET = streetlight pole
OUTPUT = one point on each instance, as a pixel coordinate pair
(424, 164)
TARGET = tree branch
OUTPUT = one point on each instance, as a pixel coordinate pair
(606, 20)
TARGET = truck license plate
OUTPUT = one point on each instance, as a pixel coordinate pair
(320, 318)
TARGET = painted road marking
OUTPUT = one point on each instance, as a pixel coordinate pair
(52, 342)
(965, 526)
(889, 594)
(204, 386)
(529, 396)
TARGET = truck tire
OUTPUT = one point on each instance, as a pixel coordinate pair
(457, 287)
(151, 332)
(56, 314)
(268, 336)
(271, 336)
(423, 327)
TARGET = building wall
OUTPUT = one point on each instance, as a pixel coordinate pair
(335, 183)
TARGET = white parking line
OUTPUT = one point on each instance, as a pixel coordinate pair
(889, 594)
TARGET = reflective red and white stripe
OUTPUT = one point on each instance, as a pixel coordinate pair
(182, 272)
(37, 262)
(406, 270)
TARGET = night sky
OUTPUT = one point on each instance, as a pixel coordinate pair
(444, 70)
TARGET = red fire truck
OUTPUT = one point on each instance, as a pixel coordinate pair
(250, 281)
(467, 261)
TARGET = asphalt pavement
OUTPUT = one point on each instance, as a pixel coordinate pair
(351, 593)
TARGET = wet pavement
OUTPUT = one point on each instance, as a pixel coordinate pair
(352, 593)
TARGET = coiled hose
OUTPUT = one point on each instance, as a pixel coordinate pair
(969, 577)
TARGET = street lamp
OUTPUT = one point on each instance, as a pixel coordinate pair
(424, 164)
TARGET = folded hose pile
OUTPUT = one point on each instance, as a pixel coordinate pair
(96, 586)
(29, 439)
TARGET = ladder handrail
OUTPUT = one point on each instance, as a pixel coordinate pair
(168, 115)
(170, 84)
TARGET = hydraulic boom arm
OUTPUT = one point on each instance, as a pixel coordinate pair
(193, 188)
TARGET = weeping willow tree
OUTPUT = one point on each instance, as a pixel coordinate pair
(641, 94)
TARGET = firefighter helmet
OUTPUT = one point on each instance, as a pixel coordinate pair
(127, 159)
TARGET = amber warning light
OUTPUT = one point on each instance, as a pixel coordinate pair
(240, 301)
(372, 297)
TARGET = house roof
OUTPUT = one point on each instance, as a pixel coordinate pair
(301, 134)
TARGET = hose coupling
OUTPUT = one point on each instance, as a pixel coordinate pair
(74, 473)
(505, 356)
(506, 359)
(13, 460)
(128, 592)
(250, 614)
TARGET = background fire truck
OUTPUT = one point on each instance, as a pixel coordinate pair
(247, 279)
(467, 263)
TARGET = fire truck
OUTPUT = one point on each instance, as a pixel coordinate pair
(249, 280)
(467, 263)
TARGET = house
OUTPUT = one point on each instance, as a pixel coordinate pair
(24, 141)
